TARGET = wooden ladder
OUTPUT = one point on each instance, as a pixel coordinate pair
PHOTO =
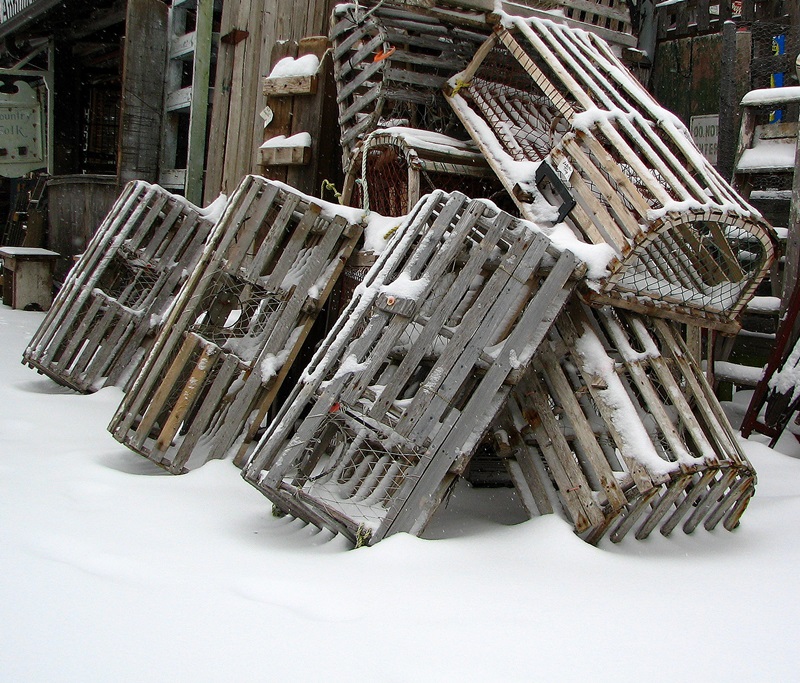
(772, 149)
(768, 149)
(186, 97)
(780, 405)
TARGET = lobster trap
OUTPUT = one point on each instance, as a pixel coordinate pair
(390, 65)
(106, 315)
(399, 165)
(616, 425)
(236, 327)
(409, 379)
(559, 117)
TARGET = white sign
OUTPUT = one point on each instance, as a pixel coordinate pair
(705, 133)
(21, 148)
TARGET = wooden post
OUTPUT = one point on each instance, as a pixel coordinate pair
(144, 62)
(792, 260)
(694, 342)
(66, 133)
(198, 116)
(727, 102)
(217, 138)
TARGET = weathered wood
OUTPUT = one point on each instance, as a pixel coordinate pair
(639, 183)
(576, 411)
(236, 327)
(107, 312)
(286, 156)
(378, 461)
(396, 61)
(280, 109)
(286, 86)
(217, 136)
(145, 57)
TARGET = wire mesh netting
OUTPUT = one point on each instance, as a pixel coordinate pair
(235, 315)
(527, 121)
(347, 467)
(774, 49)
(129, 282)
(705, 264)
(388, 181)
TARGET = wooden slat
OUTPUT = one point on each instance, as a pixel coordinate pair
(590, 449)
(696, 490)
(662, 507)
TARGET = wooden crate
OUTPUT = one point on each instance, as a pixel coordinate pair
(617, 426)
(407, 382)
(390, 64)
(610, 19)
(106, 315)
(559, 117)
(236, 327)
(399, 165)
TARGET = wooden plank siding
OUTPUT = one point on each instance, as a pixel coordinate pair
(248, 32)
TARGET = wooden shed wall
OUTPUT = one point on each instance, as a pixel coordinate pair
(248, 31)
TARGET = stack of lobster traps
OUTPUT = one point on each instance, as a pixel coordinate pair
(555, 229)
(593, 405)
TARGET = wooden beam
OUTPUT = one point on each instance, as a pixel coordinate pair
(143, 68)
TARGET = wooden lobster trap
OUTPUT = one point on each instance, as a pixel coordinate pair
(106, 315)
(390, 64)
(236, 327)
(407, 382)
(559, 117)
(617, 426)
(399, 165)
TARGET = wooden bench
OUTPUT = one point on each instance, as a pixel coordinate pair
(28, 277)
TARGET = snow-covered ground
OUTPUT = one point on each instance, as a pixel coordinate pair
(111, 570)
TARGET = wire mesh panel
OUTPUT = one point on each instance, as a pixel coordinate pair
(390, 65)
(619, 422)
(407, 382)
(107, 314)
(559, 118)
(236, 327)
(399, 165)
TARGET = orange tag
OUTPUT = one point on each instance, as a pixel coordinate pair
(383, 54)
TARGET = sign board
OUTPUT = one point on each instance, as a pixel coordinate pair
(21, 144)
(705, 133)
